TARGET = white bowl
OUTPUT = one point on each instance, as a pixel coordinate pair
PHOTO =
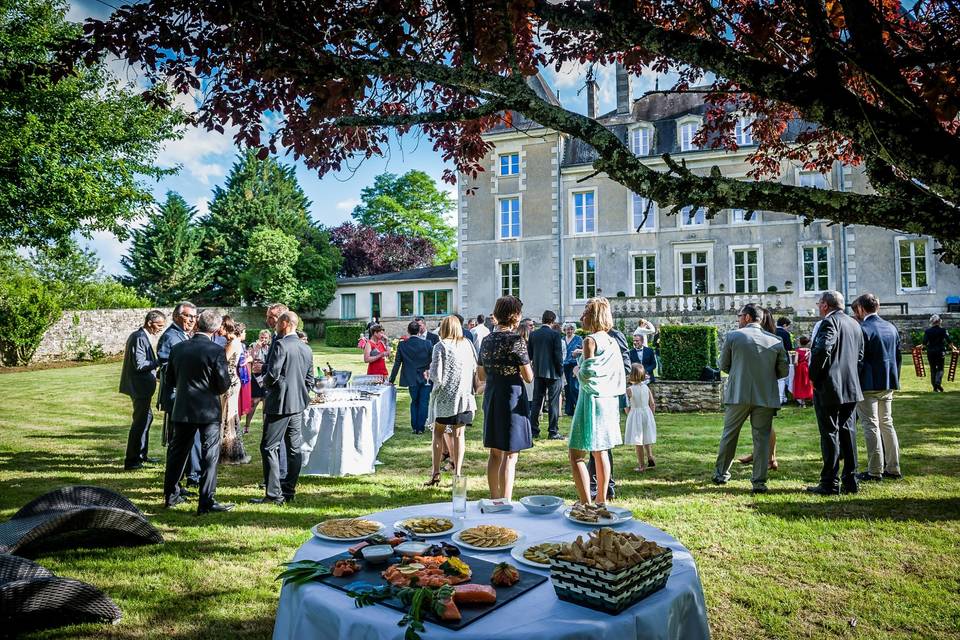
(541, 505)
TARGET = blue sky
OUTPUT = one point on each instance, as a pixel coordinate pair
(205, 157)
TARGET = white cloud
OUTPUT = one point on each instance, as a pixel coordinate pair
(202, 205)
(347, 205)
(200, 152)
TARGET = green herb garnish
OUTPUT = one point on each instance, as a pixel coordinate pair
(303, 571)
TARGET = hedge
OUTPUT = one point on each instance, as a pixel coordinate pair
(343, 335)
(916, 336)
(686, 350)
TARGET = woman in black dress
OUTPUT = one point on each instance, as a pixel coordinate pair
(505, 366)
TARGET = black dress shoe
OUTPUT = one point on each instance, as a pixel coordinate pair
(868, 477)
(133, 467)
(289, 497)
(265, 500)
(821, 490)
(760, 488)
(556, 436)
(174, 501)
(150, 460)
(893, 476)
(716, 480)
(193, 483)
(186, 493)
(850, 487)
(217, 507)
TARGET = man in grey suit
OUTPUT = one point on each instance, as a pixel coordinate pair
(834, 371)
(546, 356)
(138, 379)
(754, 360)
(287, 381)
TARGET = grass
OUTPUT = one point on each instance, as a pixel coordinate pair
(880, 564)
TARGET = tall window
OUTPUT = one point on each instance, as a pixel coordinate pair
(645, 276)
(639, 209)
(693, 273)
(584, 278)
(405, 303)
(739, 216)
(376, 304)
(435, 303)
(510, 164)
(584, 212)
(696, 219)
(746, 271)
(640, 139)
(348, 306)
(509, 218)
(913, 264)
(743, 131)
(510, 279)
(813, 179)
(687, 133)
(816, 268)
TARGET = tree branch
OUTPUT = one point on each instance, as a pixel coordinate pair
(423, 117)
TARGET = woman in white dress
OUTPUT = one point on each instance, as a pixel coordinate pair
(641, 427)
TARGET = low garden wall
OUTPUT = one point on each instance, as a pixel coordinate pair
(683, 396)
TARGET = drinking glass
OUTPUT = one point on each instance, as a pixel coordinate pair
(460, 497)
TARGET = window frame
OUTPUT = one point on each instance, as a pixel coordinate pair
(683, 122)
(632, 214)
(512, 169)
(732, 251)
(633, 271)
(573, 211)
(753, 220)
(500, 265)
(928, 255)
(650, 131)
(802, 290)
(694, 247)
(684, 216)
(743, 131)
(573, 274)
(421, 295)
(343, 298)
(413, 304)
(499, 219)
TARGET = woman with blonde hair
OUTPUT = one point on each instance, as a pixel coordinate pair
(231, 443)
(505, 366)
(596, 420)
(452, 403)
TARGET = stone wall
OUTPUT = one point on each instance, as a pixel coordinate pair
(109, 328)
(673, 396)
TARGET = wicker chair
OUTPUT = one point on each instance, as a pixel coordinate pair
(77, 516)
(32, 598)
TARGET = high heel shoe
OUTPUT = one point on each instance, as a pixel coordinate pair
(745, 459)
(774, 465)
(434, 481)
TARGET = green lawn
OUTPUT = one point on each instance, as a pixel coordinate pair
(881, 564)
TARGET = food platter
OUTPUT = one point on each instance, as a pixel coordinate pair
(346, 522)
(422, 531)
(508, 540)
(618, 515)
(519, 553)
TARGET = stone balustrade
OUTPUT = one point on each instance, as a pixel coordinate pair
(703, 303)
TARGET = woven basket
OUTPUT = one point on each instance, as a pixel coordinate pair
(606, 591)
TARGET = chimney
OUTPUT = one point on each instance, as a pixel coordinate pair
(592, 110)
(624, 91)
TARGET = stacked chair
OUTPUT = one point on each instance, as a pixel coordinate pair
(31, 597)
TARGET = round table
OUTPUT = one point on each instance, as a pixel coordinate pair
(677, 611)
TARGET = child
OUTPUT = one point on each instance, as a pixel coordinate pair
(641, 428)
(802, 387)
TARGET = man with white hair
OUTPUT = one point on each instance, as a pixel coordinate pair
(834, 370)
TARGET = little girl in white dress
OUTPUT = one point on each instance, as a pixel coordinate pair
(641, 427)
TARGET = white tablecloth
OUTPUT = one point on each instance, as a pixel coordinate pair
(677, 611)
(344, 437)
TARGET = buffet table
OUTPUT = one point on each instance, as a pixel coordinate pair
(343, 437)
(677, 611)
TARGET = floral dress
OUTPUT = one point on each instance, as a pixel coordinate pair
(506, 408)
(596, 420)
(231, 443)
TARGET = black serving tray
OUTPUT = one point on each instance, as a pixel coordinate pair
(482, 572)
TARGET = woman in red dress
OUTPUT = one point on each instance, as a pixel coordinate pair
(375, 352)
(802, 387)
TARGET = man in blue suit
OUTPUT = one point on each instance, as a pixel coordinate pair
(413, 362)
(138, 379)
(879, 378)
(180, 330)
(642, 354)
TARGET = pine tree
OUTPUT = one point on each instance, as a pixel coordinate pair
(264, 194)
(164, 261)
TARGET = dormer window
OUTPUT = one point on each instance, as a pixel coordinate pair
(686, 131)
(641, 139)
(510, 164)
(743, 131)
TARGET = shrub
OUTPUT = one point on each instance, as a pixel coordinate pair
(344, 335)
(686, 350)
(27, 309)
(916, 336)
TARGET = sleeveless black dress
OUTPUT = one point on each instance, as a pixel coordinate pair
(506, 408)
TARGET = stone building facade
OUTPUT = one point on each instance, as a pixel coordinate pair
(539, 223)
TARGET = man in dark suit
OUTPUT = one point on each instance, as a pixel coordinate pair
(180, 330)
(272, 314)
(834, 370)
(642, 354)
(546, 356)
(413, 363)
(879, 378)
(429, 336)
(467, 333)
(784, 334)
(621, 341)
(197, 371)
(138, 379)
(287, 383)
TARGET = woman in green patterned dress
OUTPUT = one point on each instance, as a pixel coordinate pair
(596, 420)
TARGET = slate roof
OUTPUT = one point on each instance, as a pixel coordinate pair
(441, 272)
(520, 121)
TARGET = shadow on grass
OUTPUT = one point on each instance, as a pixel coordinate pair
(901, 509)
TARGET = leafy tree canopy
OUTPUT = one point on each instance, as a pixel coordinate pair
(270, 275)
(164, 260)
(73, 153)
(410, 205)
(879, 77)
(367, 252)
